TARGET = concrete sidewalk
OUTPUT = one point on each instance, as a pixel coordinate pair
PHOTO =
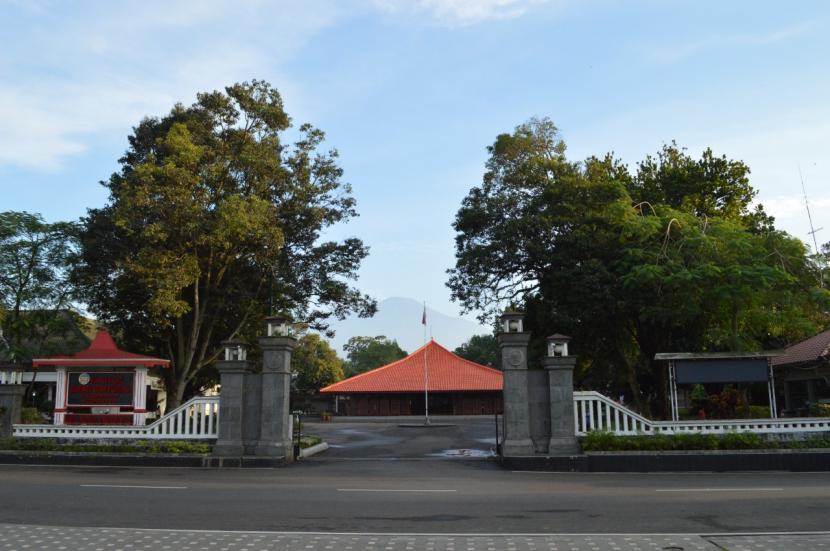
(16, 536)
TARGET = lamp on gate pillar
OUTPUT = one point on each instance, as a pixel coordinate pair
(560, 368)
(512, 322)
(278, 326)
(558, 345)
(234, 369)
(513, 344)
(235, 350)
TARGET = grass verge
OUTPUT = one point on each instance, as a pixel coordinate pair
(140, 446)
(606, 441)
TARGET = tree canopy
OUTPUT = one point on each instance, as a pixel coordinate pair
(315, 363)
(482, 349)
(36, 291)
(670, 256)
(365, 353)
(213, 220)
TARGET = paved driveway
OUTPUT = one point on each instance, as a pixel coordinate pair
(447, 437)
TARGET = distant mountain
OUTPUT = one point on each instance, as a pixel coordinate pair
(399, 318)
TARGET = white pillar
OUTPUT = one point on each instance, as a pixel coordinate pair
(60, 394)
(140, 396)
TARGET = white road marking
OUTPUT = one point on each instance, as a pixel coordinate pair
(391, 490)
(719, 490)
(127, 486)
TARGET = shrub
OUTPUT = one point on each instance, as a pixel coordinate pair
(606, 441)
(759, 412)
(47, 444)
(30, 416)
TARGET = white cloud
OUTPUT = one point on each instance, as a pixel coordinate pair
(79, 76)
(459, 12)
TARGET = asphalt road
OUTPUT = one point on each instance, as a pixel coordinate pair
(413, 496)
(473, 436)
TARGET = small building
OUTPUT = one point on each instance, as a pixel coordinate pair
(455, 387)
(804, 369)
(100, 385)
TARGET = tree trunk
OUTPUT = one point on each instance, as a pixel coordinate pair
(634, 385)
(175, 388)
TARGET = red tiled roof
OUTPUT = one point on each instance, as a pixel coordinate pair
(447, 373)
(103, 352)
(809, 350)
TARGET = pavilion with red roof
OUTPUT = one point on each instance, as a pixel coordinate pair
(101, 385)
(455, 386)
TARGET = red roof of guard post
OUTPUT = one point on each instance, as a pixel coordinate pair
(446, 373)
(102, 352)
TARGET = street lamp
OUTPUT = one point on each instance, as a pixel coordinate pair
(235, 350)
(277, 326)
(558, 345)
(512, 322)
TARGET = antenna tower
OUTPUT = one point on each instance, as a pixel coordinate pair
(813, 230)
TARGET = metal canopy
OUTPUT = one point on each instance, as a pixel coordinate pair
(719, 367)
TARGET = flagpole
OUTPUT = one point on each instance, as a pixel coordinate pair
(426, 368)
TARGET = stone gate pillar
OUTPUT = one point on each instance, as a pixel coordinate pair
(513, 344)
(560, 368)
(277, 346)
(12, 390)
(232, 372)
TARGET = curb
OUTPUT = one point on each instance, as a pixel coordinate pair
(674, 461)
(90, 459)
(315, 449)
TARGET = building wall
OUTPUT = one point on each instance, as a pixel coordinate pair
(440, 403)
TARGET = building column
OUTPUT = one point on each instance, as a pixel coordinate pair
(12, 390)
(275, 419)
(562, 430)
(140, 396)
(232, 374)
(517, 441)
(811, 391)
(788, 397)
(60, 394)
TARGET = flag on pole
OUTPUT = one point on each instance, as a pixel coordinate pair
(424, 317)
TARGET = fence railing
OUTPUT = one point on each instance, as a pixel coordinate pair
(596, 412)
(11, 377)
(196, 419)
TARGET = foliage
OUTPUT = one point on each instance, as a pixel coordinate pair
(30, 416)
(482, 349)
(365, 353)
(141, 446)
(212, 221)
(36, 291)
(606, 441)
(724, 404)
(670, 256)
(308, 441)
(759, 412)
(315, 363)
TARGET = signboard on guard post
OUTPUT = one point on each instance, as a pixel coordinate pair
(100, 389)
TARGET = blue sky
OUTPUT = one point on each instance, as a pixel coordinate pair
(412, 92)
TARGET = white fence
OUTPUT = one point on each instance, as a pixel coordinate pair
(595, 412)
(196, 419)
(11, 377)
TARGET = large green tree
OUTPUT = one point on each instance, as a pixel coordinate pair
(482, 349)
(36, 291)
(365, 353)
(669, 256)
(214, 220)
(315, 363)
